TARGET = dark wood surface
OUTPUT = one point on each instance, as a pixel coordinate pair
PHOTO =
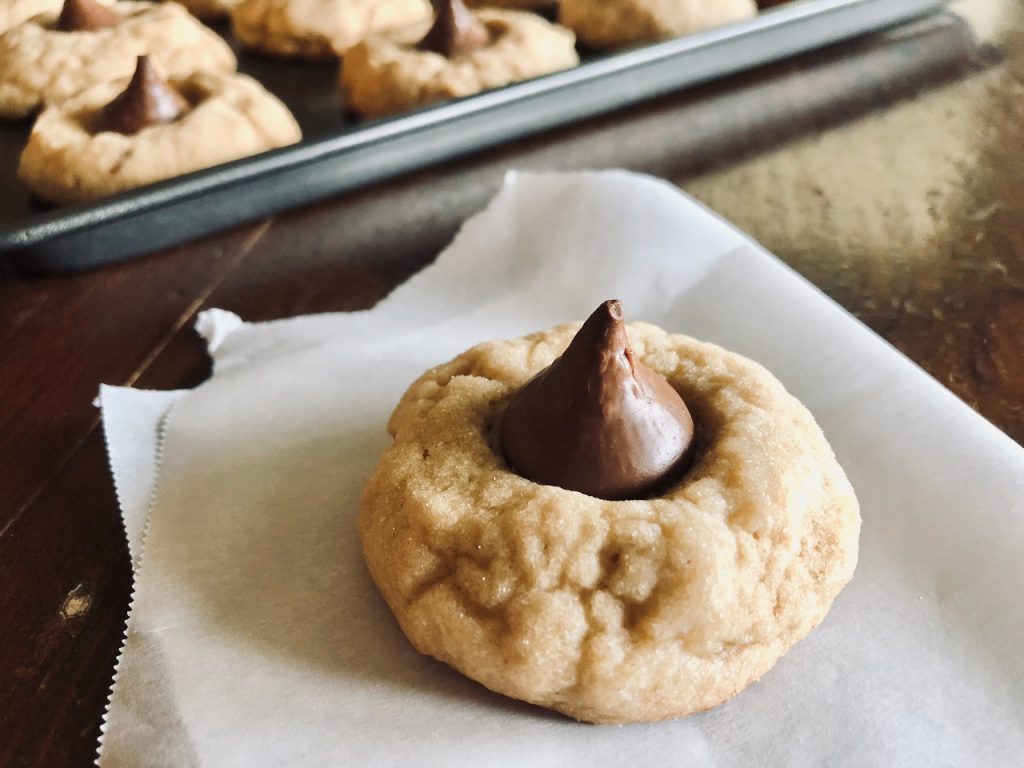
(890, 172)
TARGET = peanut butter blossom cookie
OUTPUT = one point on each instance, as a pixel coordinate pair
(617, 23)
(319, 29)
(50, 58)
(14, 12)
(118, 136)
(462, 53)
(612, 521)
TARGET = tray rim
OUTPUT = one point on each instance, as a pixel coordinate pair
(53, 224)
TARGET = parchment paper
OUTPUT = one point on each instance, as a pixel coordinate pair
(257, 639)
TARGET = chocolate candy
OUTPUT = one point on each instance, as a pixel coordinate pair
(86, 16)
(148, 100)
(455, 31)
(597, 420)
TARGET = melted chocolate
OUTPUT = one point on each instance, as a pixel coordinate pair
(86, 16)
(599, 421)
(455, 31)
(148, 100)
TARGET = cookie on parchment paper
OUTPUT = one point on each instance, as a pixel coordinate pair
(609, 611)
(40, 64)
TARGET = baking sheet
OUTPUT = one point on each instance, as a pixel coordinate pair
(340, 154)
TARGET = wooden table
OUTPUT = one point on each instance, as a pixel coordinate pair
(890, 173)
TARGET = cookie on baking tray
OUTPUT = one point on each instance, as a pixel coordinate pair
(118, 136)
(606, 24)
(14, 12)
(319, 29)
(209, 10)
(50, 58)
(619, 527)
(462, 53)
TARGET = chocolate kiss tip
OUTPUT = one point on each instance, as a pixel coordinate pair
(602, 335)
(86, 16)
(148, 100)
(598, 421)
(456, 30)
(610, 315)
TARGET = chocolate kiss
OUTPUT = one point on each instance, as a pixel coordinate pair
(597, 420)
(455, 31)
(148, 100)
(86, 16)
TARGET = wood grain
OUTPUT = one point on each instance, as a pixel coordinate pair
(60, 339)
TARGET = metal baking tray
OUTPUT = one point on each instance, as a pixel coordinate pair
(340, 154)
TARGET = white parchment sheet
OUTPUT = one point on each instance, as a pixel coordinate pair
(257, 639)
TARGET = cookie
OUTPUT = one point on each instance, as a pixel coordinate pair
(39, 64)
(70, 158)
(606, 24)
(609, 611)
(387, 73)
(209, 9)
(318, 29)
(14, 12)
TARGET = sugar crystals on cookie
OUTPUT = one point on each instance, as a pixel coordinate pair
(550, 522)
(452, 58)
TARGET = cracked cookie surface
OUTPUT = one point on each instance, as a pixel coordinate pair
(14, 12)
(616, 23)
(386, 73)
(41, 65)
(608, 611)
(319, 29)
(65, 162)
